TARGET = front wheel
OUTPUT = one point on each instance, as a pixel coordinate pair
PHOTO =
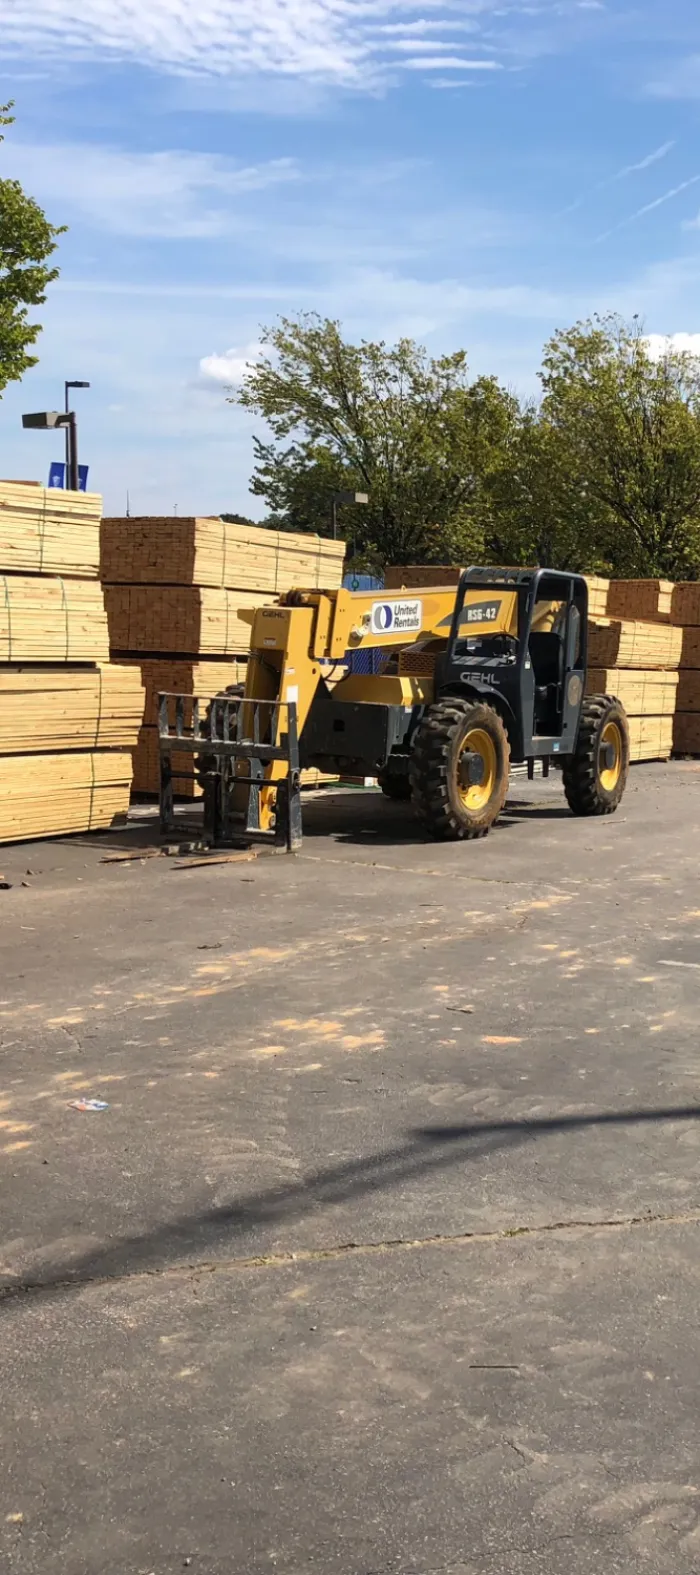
(595, 776)
(460, 769)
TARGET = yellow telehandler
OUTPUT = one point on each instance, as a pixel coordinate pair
(477, 676)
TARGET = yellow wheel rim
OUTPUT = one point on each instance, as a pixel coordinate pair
(475, 795)
(611, 738)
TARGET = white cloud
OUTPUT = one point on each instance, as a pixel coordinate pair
(170, 194)
(658, 345)
(341, 42)
(231, 367)
(450, 63)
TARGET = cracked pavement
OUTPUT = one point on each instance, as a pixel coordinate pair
(384, 1258)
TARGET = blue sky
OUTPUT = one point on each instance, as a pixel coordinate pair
(475, 173)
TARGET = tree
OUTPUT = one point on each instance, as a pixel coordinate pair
(622, 431)
(412, 432)
(27, 241)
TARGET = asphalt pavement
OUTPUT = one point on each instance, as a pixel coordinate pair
(384, 1255)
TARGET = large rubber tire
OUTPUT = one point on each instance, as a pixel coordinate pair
(394, 786)
(451, 808)
(592, 788)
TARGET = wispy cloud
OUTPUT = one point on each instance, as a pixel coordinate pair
(174, 195)
(342, 42)
(681, 81)
(646, 163)
(650, 207)
(450, 63)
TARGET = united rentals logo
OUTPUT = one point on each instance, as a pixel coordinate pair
(396, 617)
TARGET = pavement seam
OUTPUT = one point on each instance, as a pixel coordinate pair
(351, 1249)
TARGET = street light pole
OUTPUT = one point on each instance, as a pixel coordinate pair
(47, 421)
(72, 474)
(66, 386)
(344, 496)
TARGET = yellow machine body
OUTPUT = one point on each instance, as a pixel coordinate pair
(303, 641)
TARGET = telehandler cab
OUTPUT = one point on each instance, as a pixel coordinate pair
(477, 677)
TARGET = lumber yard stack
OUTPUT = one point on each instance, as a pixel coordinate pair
(68, 719)
(685, 613)
(634, 652)
(176, 590)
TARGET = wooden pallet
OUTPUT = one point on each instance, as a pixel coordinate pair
(50, 795)
(211, 552)
(51, 619)
(46, 531)
(612, 643)
(179, 620)
(165, 675)
(646, 599)
(642, 694)
(57, 708)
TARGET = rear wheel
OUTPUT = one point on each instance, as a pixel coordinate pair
(460, 769)
(595, 776)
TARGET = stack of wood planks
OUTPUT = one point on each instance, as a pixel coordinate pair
(217, 553)
(685, 612)
(646, 599)
(179, 594)
(68, 720)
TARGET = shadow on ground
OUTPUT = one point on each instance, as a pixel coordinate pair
(426, 1150)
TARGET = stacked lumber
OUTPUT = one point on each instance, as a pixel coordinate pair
(213, 552)
(46, 531)
(172, 676)
(62, 708)
(613, 642)
(49, 795)
(598, 592)
(649, 600)
(179, 620)
(180, 594)
(685, 613)
(650, 694)
(67, 719)
(413, 576)
(51, 619)
(637, 660)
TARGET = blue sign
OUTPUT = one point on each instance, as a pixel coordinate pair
(57, 475)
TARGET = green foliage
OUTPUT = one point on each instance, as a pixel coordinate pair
(603, 475)
(414, 433)
(623, 432)
(27, 241)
